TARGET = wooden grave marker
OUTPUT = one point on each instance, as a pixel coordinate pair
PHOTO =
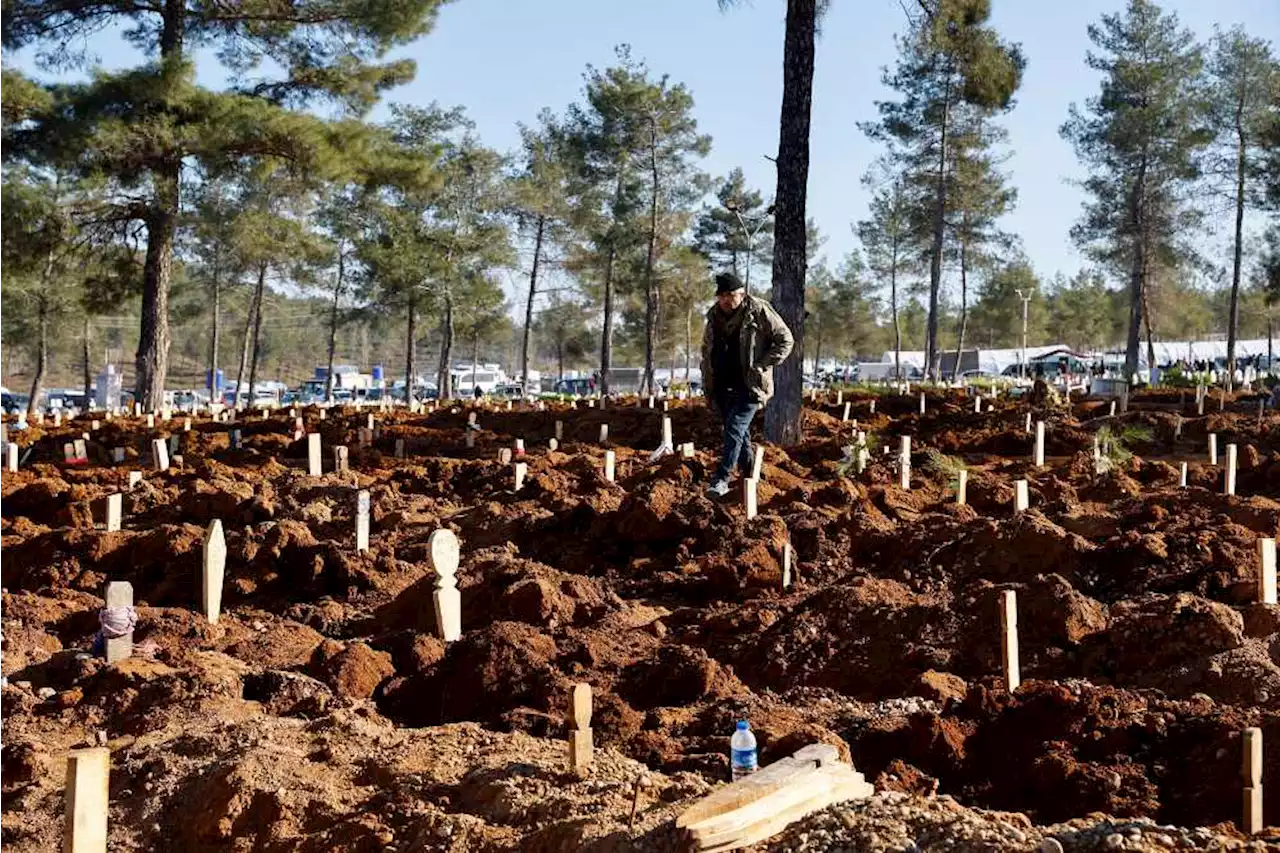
(604, 433)
(609, 460)
(135, 477)
(962, 487)
(1009, 639)
(750, 497)
(315, 467)
(904, 462)
(11, 457)
(362, 521)
(1229, 481)
(1039, 450)
(581, 746)
(1021, 496)
(1267, 570)
(1213, 448)
(214, 563)
(86, 799)
(115, 510)
(443, 553)
(160, 454)
(341, 457)
(521, 471)
(1182, 476)
(1251, 741)
(757, 462)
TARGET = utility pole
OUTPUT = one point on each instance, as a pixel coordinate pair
(1026, 301)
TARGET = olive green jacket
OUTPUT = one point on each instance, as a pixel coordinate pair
(766, 341)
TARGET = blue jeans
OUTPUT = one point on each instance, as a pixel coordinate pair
(737, 411)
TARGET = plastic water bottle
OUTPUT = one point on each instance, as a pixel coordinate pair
(742, 751)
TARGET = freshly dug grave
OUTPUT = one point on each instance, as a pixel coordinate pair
(322, 712)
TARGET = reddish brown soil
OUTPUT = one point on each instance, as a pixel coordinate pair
(1143, 655)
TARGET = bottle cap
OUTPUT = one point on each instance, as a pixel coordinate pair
(742, 725)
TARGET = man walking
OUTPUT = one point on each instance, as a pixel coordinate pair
(742, 342)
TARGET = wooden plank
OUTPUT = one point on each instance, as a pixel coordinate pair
(87, 795)
(215, 563)
(772, 814)
(760, 784)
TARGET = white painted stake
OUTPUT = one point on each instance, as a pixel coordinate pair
(1113, 408)
(443, 553)
(521, 469)
(757, 462)
(1182, 476)
(1251, 740)
(604, 433)
(135, 477)
(1177, 427)
(314, 466)
(214, 558)
(1039, 452)
(922, 403)
(1229, 483)
(87, 796)
(750, 497)
(788, 556)
(362, 521)
(160, 454)
(1213, 448)
(11, 457)
(609, 460)
(559, 430)
(904, 462)
(1009, 639)
(115, 510)
(845, 416)
(962, 488)
(1026, 427)
(1267, 571)
(1021, 495)
(340, 457)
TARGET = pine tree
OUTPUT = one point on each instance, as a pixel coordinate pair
(737, 232)
(889, 243)
(950, 61)
(1245, 80)
(563, 333)
(979, 196)
(1141, 138)
(541, 206)
(139, 126)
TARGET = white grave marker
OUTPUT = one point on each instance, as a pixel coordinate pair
(1267, 571)
(362, 521)
(1213, 448)
(214, 561)
(962, 487)
(160, 454)
(1021, 495)
(750, 497)
(1039, 452)
(904, 462)
(314, 466)
(119, 597)
(604, 433)
(115, 509)
(443, 554)
(1229, 482)
(609, 460)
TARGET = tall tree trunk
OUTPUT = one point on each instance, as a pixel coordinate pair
(1233, 321)
(475, 356)
(1137, 275)
(528, 308)
(244, 350)
(444, 376)
(42, 348)
(333, 325)
(606, 334)
(688, 345)
(215, 343)
(651, 286)
(560, 360)
(932, 366)
(411, 348)
(84, 355)
(782, 417)
(1151, 347)
(893, 300)
(964, 308)
(152, 360)
(258, 293)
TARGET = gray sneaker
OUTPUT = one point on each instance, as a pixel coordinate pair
(718, 489)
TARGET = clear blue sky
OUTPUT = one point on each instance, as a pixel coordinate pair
(506, 59)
